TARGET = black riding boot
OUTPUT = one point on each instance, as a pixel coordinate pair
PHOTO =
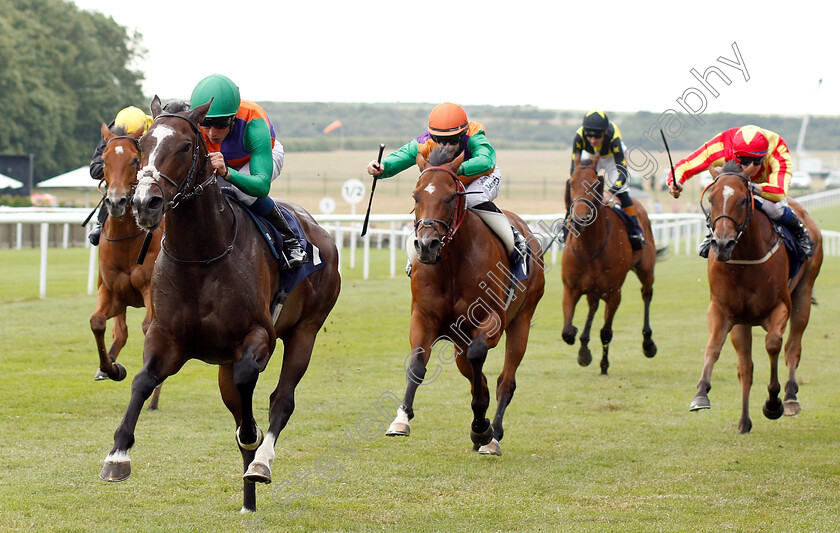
(295, 256)
(800, 233)
(703, 249)
(96, 232)
(637, 236)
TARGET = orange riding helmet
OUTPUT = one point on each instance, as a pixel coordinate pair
(447, 119)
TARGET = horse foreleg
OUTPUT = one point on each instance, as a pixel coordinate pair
(570, 300)
(297, 352)
(516, 340)
(584, 355)
(773, 407)
(415, 375)
(117, 465)
(742, 341)
(800, 315)
(648, 346)
(471, 363)
(98, 320)
(147, 320)
(719, 326)
(612, 303)
(246, 371)
(232, 400)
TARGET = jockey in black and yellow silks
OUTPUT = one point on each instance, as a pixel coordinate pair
(598, 135)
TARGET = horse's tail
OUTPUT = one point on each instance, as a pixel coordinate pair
(662, 253)
(814, 301)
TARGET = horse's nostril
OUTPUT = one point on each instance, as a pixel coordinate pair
(155, 203)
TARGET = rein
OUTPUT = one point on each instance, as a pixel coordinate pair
(457, 216)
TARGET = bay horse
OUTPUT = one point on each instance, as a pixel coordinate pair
(212, 290)
(462, 291)
(122, 282)
(597, 258)
(749, 286)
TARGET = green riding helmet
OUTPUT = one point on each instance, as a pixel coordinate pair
(222, 90)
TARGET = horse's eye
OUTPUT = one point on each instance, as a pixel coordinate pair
(187, 147)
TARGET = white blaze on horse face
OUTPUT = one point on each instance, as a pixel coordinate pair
(119, 150)
(148, 175)
(727, 194)
(430, 189)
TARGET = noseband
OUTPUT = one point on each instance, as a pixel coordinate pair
(457, 215)
(180, 195)
(742, 226)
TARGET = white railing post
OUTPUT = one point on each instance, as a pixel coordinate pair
(45, 238)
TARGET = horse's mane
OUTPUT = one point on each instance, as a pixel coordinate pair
(731, 166)
(441, 155)
(176, 106)
(118, 130)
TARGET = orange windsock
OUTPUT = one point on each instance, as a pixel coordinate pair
(334, 126)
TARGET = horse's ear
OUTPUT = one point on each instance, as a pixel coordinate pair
(198, 114)
(457, 162)
(577, 159)
(595, 161)
(106, 132)
(714, 171)
(138, 132)
(422, 162)
(155, 106)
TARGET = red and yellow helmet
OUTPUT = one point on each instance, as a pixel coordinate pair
(447, 119)
(750, 141)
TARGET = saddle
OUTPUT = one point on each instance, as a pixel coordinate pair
(629, 224)
(289, 279)
(796, 258)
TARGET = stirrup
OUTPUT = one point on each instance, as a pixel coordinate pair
(408, 268)
(295, 257)
(703, 249)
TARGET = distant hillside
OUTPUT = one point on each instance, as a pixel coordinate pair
(301, 126)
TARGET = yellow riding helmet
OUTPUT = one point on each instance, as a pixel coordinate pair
(132, 118)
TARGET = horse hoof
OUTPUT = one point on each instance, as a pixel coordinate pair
(121, 373)
(792, 407)
(584, 357)
(483, 438)
(398, 429)
(257, 473)
(745, 426)
(115, 471)
(100, 375)
(569, 335)
(773, 411)
(699, 403)
(649, 348)
(491, 448)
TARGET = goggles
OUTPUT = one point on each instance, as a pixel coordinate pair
(216, 122)
(594, 134)
(750, 160)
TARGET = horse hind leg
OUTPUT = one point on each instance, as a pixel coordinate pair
(773, 406)
(516, 341)
(470, 364)
(800, 315)
(648, 346)
(297, 352)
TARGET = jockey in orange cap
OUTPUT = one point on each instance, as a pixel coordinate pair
(448, 125)
(764, 158)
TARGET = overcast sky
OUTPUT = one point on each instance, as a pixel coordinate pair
(616, 56)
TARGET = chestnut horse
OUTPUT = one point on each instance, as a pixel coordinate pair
(749, 286)
(596, 260)
(122, 282)
(462, 291)
(212, 288)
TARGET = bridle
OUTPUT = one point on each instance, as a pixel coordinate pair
(130, 196)
(185, 191)
(742, 226)
(450, 227)
(603, 245)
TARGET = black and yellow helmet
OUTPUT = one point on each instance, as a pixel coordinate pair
(595, 122)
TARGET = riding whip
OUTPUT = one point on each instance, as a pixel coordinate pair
(372, 188)
(673, 176)
(147, 240)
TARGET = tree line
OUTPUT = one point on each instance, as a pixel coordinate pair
(64, 71)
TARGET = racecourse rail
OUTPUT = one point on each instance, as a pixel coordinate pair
(682, 233)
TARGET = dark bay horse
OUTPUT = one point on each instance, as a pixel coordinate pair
(122, 282)
(212, 287)
(462, 291)
(749, 286)
(596, 260)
